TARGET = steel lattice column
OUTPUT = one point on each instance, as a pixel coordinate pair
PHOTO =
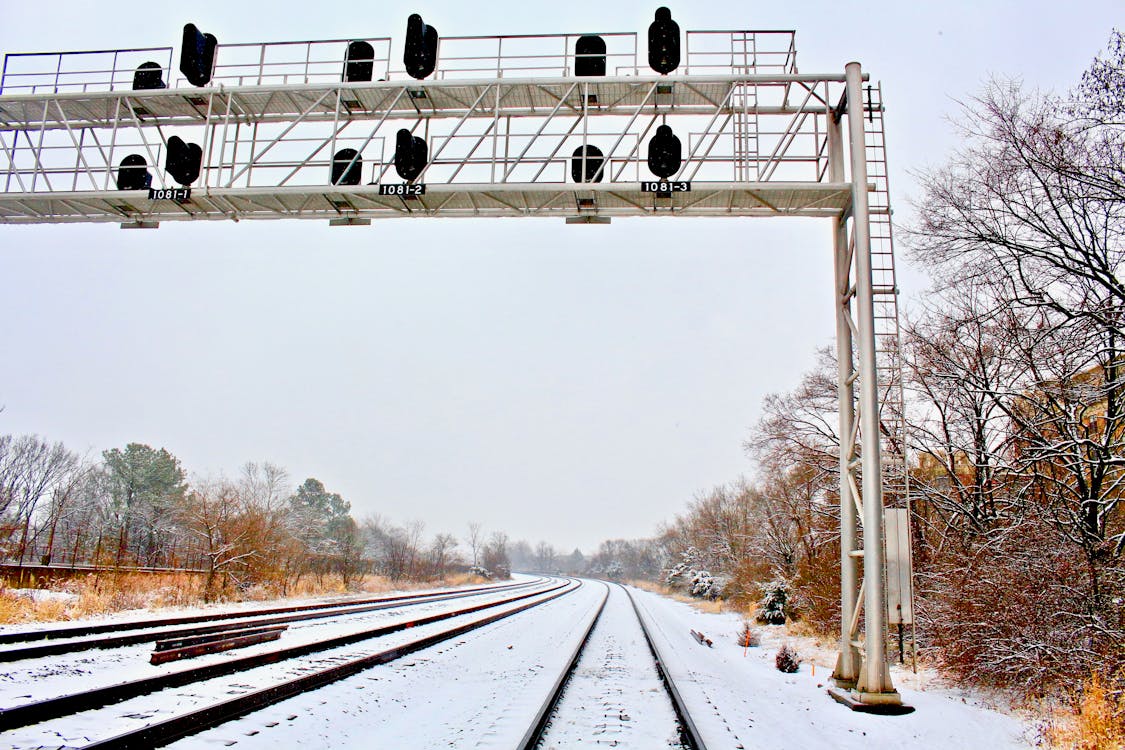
(856, 329)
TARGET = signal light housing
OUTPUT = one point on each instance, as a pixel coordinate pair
(411, 155)
(197, 55)
(594, 160)
(347, 167)
(589, 56)
(420, 53)
(133, 173)
(665, 154)
(359, 62)
(148, 76)
(183, 160)
(664, 43)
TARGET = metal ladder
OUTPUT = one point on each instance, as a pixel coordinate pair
(888, 351)
(744, 58)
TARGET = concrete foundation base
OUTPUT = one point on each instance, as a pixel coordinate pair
(886, 704)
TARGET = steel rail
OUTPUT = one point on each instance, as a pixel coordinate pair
(84, 630)
(211, 644)
(539, 724)
(64, 705)
(66, 647)
(691, 732)
(169, 730)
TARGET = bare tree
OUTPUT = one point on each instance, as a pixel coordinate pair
(474, 539)
(959, 363)
(30, 470)
(441, 552)
(1017, 377)
(213, 515)
(69, 490)
(496, 555)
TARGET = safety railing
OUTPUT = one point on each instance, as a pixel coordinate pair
(749, 52)
(323, 61)
(93, 70)
(282, 63)
(528, 56)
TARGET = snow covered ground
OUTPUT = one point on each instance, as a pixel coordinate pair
(615, 697)
(30, 680)
(84, 727)
(742, 701)
(483, 688)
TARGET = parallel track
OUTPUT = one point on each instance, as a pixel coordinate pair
(85, 630)
(146, 629)
(54, 708)
(214, 714)
(162, 733)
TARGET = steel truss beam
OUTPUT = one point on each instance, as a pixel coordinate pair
(824, 200)
(482, 135)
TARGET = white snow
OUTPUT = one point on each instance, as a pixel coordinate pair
(29, 680)
(615, 697)
(742, 701)
(482, 689)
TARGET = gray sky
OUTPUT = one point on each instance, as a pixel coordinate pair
(562, 383)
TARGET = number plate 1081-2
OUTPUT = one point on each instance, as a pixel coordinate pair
(405, 191)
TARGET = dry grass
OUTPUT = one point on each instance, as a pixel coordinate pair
(712, 607)
(1097, 721)
(99, 594)
(107, 593)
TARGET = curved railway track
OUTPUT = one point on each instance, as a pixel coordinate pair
(217, 712)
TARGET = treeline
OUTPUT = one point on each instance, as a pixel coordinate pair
(1015, 406)
(134, 508)
(617, 559)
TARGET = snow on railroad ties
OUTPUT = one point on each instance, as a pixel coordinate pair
(79, 729)
(615, 697)
(29, 680)
(479, 690)
(740, 701)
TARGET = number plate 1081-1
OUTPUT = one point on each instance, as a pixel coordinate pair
(180, 195)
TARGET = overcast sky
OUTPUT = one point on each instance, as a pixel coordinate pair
(561, 383)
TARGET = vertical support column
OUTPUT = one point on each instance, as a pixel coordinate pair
(846, 674)
(874, 684)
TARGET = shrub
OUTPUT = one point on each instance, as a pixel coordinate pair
(787, 660)
(680, 575)
(705, 586)
(773, 609)
(1020, 609)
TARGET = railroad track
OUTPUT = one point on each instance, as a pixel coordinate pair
(539, 732)
(76, 631)
(69, 640)
(29, 717)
